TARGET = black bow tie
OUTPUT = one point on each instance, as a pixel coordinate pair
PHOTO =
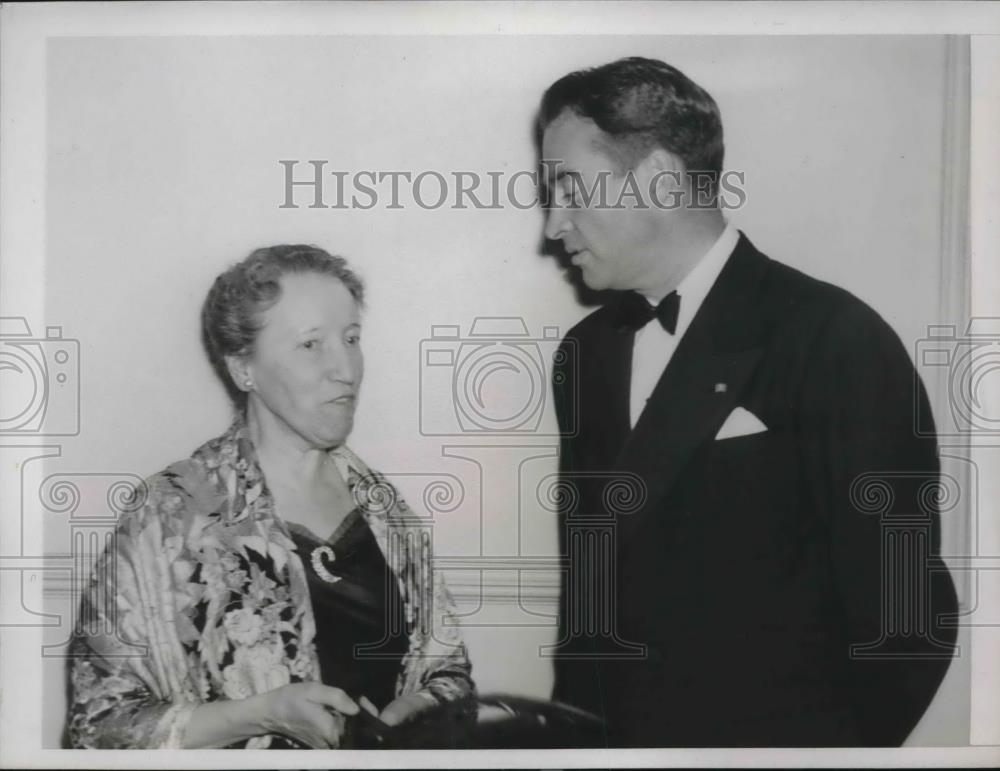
(634, 311)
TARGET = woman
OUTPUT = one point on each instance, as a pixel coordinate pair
(229, 608)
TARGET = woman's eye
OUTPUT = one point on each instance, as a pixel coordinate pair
(310, 344)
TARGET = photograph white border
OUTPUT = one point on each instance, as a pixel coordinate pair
(24, 30)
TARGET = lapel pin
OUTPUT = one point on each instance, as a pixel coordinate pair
(720, 388)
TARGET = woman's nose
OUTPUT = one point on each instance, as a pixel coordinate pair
(342, 365)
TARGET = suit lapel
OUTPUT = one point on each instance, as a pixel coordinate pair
(700, 386)
(608, 384)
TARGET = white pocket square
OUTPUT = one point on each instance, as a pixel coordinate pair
(740, 422)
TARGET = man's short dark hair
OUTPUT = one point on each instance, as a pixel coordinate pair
(642, 104)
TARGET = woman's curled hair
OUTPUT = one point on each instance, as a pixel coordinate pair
(231, 314)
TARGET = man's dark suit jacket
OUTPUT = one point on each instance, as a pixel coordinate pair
(748, 567)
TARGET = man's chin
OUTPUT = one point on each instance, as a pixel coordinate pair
(593, 283)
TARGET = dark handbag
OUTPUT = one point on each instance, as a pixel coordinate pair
(494, 721)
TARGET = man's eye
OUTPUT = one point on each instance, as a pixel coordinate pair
(310, 344)
(571, 193)
(353, 339)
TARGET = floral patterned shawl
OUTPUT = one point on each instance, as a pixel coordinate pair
(202, 596)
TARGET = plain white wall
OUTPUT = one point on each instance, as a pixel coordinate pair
(163, 169)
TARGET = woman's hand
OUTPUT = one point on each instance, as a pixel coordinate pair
(311, 713)
(408, 707)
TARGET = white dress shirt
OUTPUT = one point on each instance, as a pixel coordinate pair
(654, 346)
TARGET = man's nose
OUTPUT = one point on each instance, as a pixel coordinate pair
(557, 223)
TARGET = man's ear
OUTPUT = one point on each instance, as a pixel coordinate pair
(660, 159)
(239, 371)
(666, 174)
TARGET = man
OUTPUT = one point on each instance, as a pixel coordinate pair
(774, 580)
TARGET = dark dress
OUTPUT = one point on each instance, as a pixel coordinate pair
(361, 630)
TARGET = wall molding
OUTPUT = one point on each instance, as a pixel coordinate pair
(484, 581)
(954, 299)
(956, 260)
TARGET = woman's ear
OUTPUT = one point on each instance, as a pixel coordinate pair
(239, 371)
